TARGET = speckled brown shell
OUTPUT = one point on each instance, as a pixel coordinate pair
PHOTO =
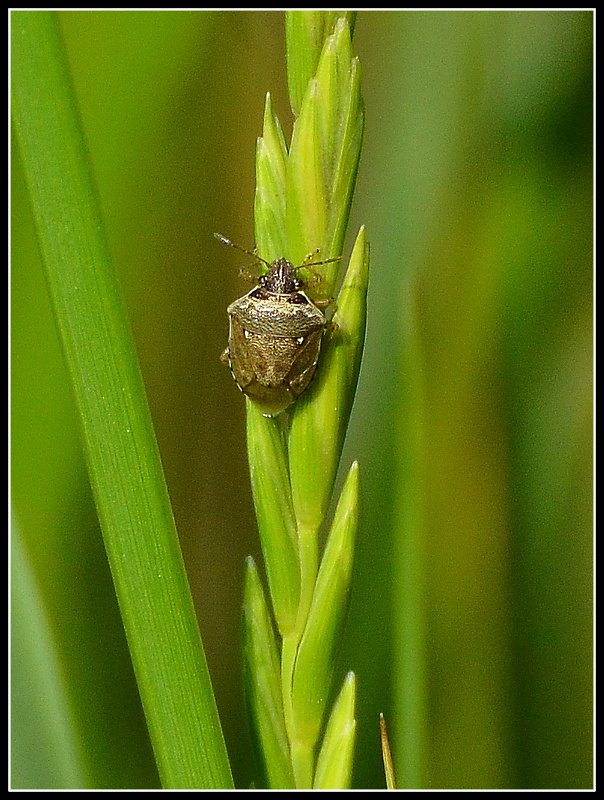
(274, 345)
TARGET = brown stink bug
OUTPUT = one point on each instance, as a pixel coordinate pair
(275, 334)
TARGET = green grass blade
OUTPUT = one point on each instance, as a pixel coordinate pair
(45, 750)
(315, 660)
(324, 157)
(276, 522)
(269, 201)
(306, 200)
(320, 417)
(119, 442)
(409, 503)
(305, 31)
(263, 683)
(341, 117)
(334, 765)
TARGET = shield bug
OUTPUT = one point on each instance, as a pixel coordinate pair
(275, 334)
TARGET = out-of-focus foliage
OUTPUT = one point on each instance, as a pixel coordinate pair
(471, 602)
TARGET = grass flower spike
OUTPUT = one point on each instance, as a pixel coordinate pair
(302, 205)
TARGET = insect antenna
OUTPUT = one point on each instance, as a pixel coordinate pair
(308, 263)
(229, 243)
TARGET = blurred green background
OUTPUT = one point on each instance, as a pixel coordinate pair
(473, 419)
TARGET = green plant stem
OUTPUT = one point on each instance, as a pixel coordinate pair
(121, 451)
(303, 763)
(301, 755)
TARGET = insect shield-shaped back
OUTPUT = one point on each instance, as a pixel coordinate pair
(274, 339)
